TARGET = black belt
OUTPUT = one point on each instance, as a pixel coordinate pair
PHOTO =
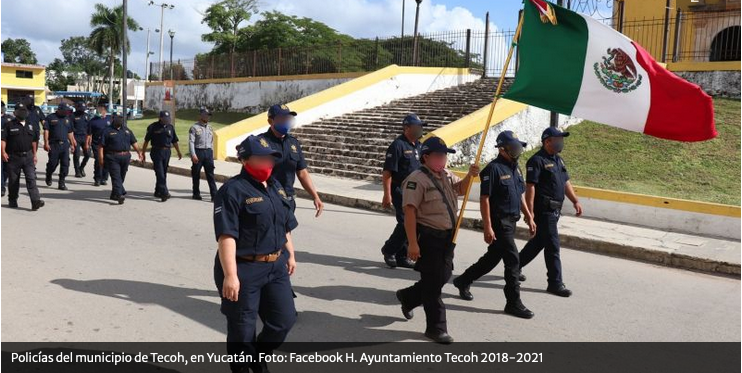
(437, 233)
(203, 149)
(57, 142)
(21, 154)
(123, 152)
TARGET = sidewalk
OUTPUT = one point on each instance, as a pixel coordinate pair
(713, 255)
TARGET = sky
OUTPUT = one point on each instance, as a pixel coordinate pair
(358, 18)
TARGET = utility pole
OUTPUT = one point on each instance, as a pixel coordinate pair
(123, 63)
(415, 60)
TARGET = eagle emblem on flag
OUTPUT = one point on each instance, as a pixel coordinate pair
(617, 72)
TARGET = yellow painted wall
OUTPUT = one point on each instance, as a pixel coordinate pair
(37, 84)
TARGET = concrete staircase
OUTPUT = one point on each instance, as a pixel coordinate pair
(353, 145)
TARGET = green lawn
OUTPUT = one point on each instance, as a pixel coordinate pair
(606, 157)
(184, 119)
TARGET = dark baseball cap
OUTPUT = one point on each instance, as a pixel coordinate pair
(413, 120)
(79, 105)
(436, 145)
(553, 132)
(20, 105)
(278, 110)
(256, 145)
(63, 107)
(204, 110)
(506, 138)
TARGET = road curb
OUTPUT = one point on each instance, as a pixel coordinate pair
(660, 257)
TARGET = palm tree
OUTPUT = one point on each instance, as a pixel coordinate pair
(107, 37)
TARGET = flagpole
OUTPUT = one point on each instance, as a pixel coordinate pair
(487, 124)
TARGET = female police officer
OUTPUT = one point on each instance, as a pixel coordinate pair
(430, 205)
(252, 223)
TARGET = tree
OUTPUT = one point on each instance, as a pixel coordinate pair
(57, 77)
(18, 51)
(224, 19)
(280, 30)
(82, 62)
(107, 35)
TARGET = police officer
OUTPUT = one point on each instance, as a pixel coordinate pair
(402, 157)
(81, 128)
(501, 201)
(252, 223)
(163, 137)
(5, 118)
(201, 147)
(547, 183)
(115, 143)
(19, 145)
(58, 142)
(98, 124)
(430, 202)
(35, 114)
(292, 164)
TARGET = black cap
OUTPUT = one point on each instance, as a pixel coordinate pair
(63, 107)
(413, 120)
(256, 145)
(204, 110)
(80, 105)
(553, 132)
(435, 145)
(20, 105)
(164, 114)
(102, 103)
(280, 109)
(506, 138)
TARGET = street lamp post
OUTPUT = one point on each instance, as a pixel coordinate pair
(172, 35)
(146, 58)
(415, 60)
(401, 39)
(163, 6)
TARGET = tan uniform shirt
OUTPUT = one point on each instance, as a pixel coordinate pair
(419, 191)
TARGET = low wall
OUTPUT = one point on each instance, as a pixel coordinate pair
(718, 79)
(251, 95)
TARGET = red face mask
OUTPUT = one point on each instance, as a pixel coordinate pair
(260, 174)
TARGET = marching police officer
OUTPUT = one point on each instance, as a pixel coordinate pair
(5, 118)
(35, 114)
(201, 147)
(163, 137)
(19, 145)
(115, 142)
(292, 164)
(58, 142)
(252, 223)
(402, 157)
(81, 128)
(430, 202)
(547, 183)
(98, 124)
(501, 201)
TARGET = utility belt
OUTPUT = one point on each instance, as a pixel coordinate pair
(20, 154)
(264, 258)
(161, 148)
(436, 233)
(57, 142)
(549, 205)
(203, 149)
(114, 152)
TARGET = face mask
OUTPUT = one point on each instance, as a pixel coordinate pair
(558, 146)
(436, 165)
(514, 151)
(417, 132)
(283, 128)
(260, 174)
(21, 114)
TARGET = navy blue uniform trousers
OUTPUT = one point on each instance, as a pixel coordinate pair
(265, 291)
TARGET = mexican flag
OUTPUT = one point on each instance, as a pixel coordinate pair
(573, 64)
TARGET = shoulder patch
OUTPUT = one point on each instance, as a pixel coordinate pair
(411, 185)
(504, 177)
(250, 201)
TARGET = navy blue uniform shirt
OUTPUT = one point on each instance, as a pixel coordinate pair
(81, 125)
(35, 117)
(292, 159)
(161, 136)
(255, 216)
(402, 157)
(117, 139)
(58, 127)
(502, 181)
(549, 174)
(97, 125)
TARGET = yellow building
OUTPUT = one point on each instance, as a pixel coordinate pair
(18, 80)
(709, 30)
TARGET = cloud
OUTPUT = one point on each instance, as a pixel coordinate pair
(44, 24)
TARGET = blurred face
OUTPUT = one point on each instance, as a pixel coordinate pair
(436, 162)
(259, 161)
(165, 120)
(204, 117)
(414, 132)
(282, 123)
(554, 144)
